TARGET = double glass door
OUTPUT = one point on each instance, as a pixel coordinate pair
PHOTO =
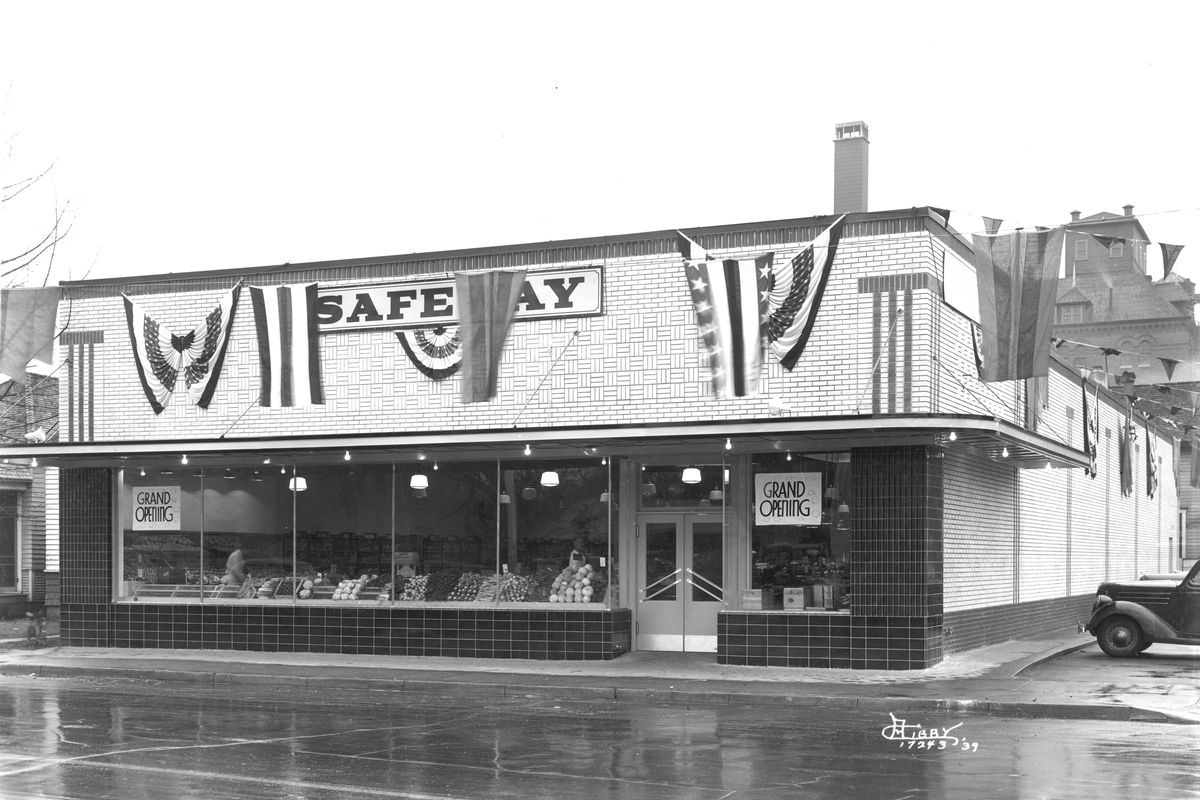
(681, 581)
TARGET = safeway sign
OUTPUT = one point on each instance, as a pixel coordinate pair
(575, 292)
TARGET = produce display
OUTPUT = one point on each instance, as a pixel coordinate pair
(441, 584)
(467, 588)
(574, 585)
(414, 589)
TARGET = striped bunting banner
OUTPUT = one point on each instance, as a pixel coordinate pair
(285, 319)
(730, 296)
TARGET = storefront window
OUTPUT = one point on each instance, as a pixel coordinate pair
(380, 533)
(554, 532)
(801, 530)
(682, 486)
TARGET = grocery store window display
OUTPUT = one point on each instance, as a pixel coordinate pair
(555, 522)
(193, 532)
(800, 541)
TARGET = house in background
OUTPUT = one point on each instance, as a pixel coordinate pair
(1108, 297)
(28, 499)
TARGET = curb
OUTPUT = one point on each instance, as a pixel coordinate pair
(625, 694)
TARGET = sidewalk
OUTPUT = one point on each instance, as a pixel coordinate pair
(999, 680)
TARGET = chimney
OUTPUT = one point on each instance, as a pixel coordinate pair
(1074, 216)
(1129, 211)
(850, 146)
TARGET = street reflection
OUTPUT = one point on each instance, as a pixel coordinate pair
(183, 742)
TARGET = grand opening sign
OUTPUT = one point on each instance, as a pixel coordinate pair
(156, 508)
(575, 292)
(787, 498)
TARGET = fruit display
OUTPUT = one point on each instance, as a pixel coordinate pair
(515, 588)
(583, 585)
(441, 584)
(487, 590)
(414, 588)
(467, 588)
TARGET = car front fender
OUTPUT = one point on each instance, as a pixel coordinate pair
(1154, 626)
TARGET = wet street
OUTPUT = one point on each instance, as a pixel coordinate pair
(94, 740)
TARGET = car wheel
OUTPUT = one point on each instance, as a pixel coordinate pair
(1120, 637)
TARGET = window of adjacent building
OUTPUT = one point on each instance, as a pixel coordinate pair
(1072, 313)
(800, 541)
(379, 533)
(1117, 250)
(1080, 249)
(10, 525)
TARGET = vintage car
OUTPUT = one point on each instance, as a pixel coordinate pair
(1129, 616)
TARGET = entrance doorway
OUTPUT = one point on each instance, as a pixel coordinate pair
(681, 565)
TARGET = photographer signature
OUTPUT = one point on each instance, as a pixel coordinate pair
(912, 736)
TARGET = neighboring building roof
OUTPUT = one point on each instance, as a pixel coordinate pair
(1073, 295)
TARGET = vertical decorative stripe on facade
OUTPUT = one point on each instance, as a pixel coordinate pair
(81, 382)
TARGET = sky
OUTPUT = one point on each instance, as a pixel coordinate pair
(225, 135)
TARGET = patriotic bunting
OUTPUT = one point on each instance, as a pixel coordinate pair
(1125, 453)
(796, 293)
(198, 355)
(285, 320)
(436, 352)
(27, 318)
(1091, 431)
(1017, 277)
(1151, 462)
(487, 302)
(730, 297)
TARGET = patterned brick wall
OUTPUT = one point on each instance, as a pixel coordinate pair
(621, 367)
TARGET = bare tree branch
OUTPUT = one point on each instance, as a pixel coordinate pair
(23, 184)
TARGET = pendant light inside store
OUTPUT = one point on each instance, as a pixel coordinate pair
(298, 484)
(691, 475)
(419, 481)
(549, 478)
(529, 493)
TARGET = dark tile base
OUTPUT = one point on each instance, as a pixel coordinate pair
(983, 626)
(456, 632)
(828, 641)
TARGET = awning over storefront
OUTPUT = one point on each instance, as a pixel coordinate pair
(985, 437)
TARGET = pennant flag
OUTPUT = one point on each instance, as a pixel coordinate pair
(1170, 252)
(285, 320)
(1091, 420)
(689, 249)
(27, 318)
(1151, 463)
(161, 356)
(1017, 275)
(796, 294)
(1124, 453)
(1108, 351)
(731, 307)
(1107, 241)
(991, 226)
(487, 302)
(436, 352)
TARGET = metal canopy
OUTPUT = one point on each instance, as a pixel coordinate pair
(983, 437)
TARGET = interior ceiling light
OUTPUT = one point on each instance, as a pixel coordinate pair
(691, 475)
(549, 478)
(728, 444)
(649, 489)
(229, 474)
(419, 481)
(298, 484)
(267, 460)
(529, 493)
(505, 499)
(256, 476)
(716, 495)
(166, 471)
(420, 456)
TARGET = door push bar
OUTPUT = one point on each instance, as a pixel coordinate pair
(661, 589)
